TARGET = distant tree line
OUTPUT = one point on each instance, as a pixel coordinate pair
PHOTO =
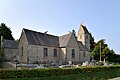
(106, 53)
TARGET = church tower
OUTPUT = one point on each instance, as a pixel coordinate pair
(83, 36)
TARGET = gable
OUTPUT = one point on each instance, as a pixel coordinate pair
(22, 39)
(63, 40)
(72, 41)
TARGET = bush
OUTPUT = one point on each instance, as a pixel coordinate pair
(27, 73)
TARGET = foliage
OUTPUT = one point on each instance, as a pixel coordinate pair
(106, 53)
(101, 75)
(92, 43)
(28, 73)
(1, 57)
(6, 32)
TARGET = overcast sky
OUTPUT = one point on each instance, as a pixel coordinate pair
(102, 17)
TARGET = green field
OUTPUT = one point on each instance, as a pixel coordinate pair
(102, 75)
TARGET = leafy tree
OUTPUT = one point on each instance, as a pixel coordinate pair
(102, 43)
(105, 53)
(6, 32)
(95, 53)
(92, 43)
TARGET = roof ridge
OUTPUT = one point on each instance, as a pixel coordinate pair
(39, 32)
(65, 34)
(39, 38)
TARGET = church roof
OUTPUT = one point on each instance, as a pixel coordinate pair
(38, 38)
(10, 44)
(82, 47)
(63, 40)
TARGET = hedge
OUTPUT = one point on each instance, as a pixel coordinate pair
(27, 73)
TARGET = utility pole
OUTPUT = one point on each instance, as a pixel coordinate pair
(100, 51)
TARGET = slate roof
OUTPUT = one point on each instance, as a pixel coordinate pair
(38, 38)
(82, 47)
(63, 40)
(10, 44)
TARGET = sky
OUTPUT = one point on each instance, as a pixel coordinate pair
(58, 17)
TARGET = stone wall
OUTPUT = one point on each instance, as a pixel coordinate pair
(29, 53)
(22, 48)
(84, 56)
(35, 54)
(10, 54)
(72, 44)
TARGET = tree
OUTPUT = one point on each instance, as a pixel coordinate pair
(105, 53)
(95, 53)
(6, 32)
(92, 43)
(104, 49)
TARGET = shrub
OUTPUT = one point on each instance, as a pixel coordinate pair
(27, 73)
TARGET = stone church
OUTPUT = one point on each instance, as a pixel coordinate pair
(37, 47)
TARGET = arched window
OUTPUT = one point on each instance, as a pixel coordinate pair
(84, 54)
(45, 53)
(73, 53)
(55, 53)
(22, 51)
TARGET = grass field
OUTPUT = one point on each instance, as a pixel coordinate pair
(103, 75)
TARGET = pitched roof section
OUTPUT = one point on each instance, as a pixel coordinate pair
(38, 38)
(63, 40)
(84, 28)
(82, 47)
(10, 44)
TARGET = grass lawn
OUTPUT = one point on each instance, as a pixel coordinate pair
(103, 75)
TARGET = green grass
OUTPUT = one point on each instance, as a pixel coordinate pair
(103, 75)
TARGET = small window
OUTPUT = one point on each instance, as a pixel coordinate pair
(21, 51)
(73, 53)
(55, 53)
(84, 54)
(45, 53)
